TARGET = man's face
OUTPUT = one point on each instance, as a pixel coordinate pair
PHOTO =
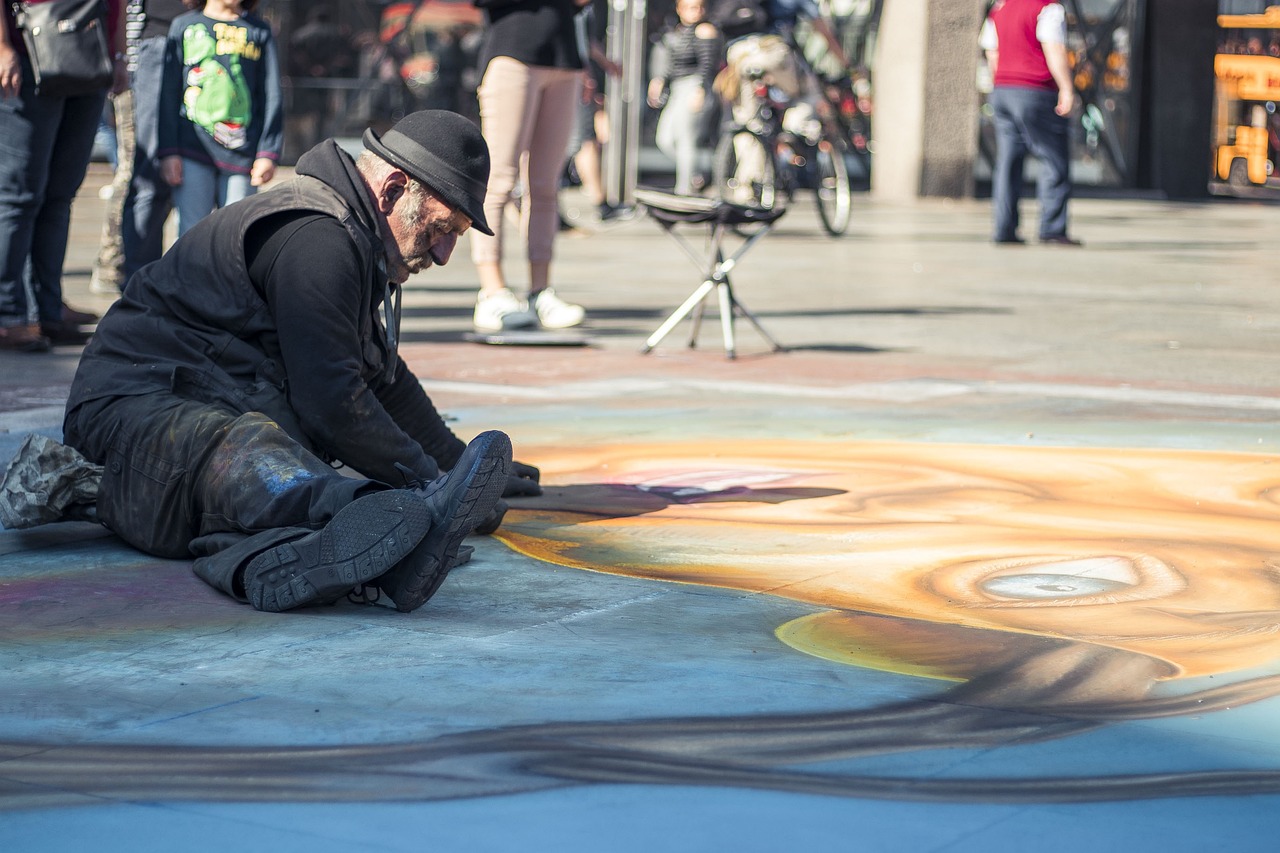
(423, 231)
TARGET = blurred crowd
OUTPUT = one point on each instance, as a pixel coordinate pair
(425, 55)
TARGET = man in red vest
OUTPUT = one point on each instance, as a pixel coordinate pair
(1032, 95)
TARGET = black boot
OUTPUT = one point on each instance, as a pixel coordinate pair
(458, 502)
(363, 540)
(493, 521)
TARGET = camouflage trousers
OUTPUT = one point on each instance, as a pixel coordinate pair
(108, 270)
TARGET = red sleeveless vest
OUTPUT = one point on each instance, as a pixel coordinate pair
(1022, 61)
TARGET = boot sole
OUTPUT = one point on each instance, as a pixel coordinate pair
(459, 508)
(362, 541)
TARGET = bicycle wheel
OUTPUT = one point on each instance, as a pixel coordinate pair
(744, 171)
(834, 198)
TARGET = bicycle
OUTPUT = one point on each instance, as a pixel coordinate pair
(758, 161)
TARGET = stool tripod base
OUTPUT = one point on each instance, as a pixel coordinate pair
(729, 308)
(671, 210)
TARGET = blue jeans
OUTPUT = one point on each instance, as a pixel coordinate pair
(205, 188)
(45, 144)
(1026, 122)
(147, 205)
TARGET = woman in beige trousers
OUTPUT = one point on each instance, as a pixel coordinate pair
(528, 98)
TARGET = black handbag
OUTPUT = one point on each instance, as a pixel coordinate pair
(67, 43)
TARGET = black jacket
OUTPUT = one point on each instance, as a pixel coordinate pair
(195, 324)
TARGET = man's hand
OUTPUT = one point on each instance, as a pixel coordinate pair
(1066, 102)
(522, 481)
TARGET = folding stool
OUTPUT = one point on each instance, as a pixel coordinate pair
(721, 217)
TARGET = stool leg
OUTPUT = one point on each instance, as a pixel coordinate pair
(679, 314)
(746, 312)
(726, 317)
(696, 325)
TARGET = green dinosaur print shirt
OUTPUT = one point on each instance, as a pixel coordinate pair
(221, 101)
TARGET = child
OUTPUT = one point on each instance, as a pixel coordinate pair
(692, 52)
(221, 107)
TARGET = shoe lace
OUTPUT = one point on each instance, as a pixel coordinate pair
(411, 480)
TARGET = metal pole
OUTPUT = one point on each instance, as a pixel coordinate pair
(624, 96)
(611, 153)
(633, 95)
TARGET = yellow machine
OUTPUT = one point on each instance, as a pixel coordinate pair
(1247, 70)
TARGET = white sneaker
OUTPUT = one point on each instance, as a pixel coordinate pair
(553, 312)
(502, 310)
(97, 285)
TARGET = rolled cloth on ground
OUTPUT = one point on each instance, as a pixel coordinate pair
(46, 481)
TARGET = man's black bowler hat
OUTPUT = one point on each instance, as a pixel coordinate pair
(446, 152)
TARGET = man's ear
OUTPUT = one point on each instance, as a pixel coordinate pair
(390, 189)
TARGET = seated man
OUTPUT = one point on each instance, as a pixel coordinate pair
(219, 389)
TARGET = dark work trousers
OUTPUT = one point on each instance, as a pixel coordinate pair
(184, 479)
(1026, 122)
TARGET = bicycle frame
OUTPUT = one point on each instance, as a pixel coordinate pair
(804, 151)
(793, 154)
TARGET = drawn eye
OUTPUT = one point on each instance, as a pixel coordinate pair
(1057, 581)
(1050, 586)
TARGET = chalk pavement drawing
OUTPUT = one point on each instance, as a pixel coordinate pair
(1049, 592)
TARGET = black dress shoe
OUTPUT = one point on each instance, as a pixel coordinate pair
(63, 333)
(72, 317)
(1009, 241)
(1060, 240)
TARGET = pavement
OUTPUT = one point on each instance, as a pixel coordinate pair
(985, 560)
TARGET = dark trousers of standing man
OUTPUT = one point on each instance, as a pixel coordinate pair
(1026, 123)
(45, 145)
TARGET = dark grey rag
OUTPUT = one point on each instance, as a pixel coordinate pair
(46, 481)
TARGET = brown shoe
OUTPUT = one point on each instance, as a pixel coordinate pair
(72, 317)
(23, 339)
